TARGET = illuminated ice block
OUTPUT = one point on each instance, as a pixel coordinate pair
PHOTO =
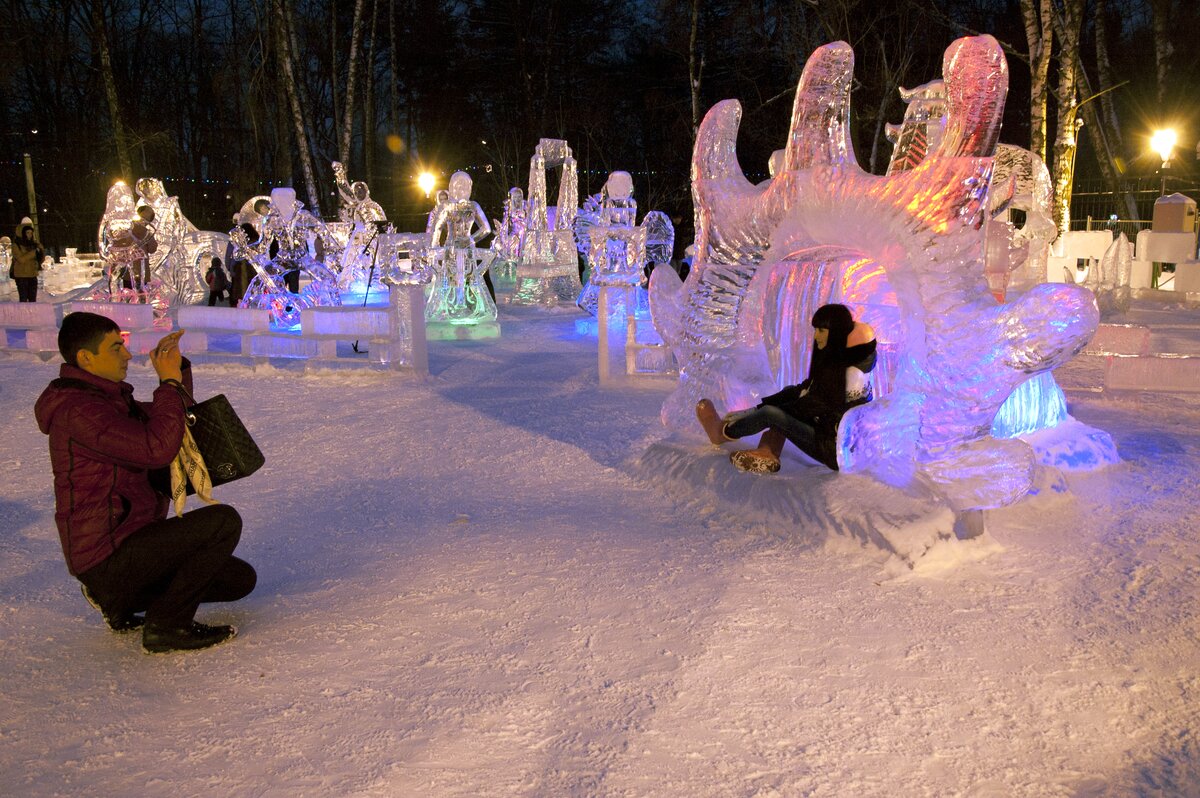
(127, 315)
(28, 315)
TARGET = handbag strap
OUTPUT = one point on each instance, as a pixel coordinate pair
(188, 400)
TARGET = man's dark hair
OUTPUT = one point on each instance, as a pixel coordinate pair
(83, 330)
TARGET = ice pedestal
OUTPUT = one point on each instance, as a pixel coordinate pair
(406, 347)
(548, 274)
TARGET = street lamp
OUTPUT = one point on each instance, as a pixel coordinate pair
(1163, 143)
(426, 181)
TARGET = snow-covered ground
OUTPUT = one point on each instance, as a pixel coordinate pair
(467, 588)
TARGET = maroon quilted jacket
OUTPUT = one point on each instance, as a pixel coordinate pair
(102, 445)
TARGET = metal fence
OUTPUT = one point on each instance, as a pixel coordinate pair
(1095, 207)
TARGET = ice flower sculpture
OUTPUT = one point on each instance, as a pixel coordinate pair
(904, 250)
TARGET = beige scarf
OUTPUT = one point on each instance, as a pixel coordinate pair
(188, 466)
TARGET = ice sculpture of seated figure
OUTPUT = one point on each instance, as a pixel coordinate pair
(458, 294)
(509, 241)
(282, 261)
(916, 236)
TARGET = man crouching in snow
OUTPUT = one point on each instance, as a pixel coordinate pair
(112, 520)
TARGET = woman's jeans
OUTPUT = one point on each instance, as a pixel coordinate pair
(756, 419)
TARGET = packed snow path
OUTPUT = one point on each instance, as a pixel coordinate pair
(464, 592)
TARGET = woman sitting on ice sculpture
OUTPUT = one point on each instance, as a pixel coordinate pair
(806, 414)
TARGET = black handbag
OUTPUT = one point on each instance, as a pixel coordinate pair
(226, 445)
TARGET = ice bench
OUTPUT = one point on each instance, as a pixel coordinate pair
(215, 334)
(30, 327)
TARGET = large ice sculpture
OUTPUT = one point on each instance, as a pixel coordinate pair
(283, 258)
(548, 271)
(616, 247)
(156, 258)
(458, 294)
(905, 251)
(184, 251)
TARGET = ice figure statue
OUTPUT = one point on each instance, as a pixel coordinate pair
(616, 248)
(282, 258)
(509, 241)
(177, 265)
(458, 294)
(905, 251)
(548, 271)
(126, 239)
(363, 219)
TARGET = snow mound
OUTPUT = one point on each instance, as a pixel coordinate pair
(819, 506)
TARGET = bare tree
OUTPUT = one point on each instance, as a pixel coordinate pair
(288, 78)
(351, 78)
(1067, 22)
(100, 37)
(695, 69)
(1039, 35)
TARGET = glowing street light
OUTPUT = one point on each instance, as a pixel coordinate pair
(1163, 143)
(426, 182)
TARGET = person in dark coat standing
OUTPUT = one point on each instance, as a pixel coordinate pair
(110, 511)
(27, 257)
(217, 282)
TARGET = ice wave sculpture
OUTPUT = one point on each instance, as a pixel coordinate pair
(458, 294)
(918, 234)
(283, 246)
(617, 249)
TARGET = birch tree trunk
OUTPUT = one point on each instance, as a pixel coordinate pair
(1039, 35)
(100, 32)
(1067, 25)
(369, 98)
(1160, 11)
(351, 75)
(695, 70)
(284, 54)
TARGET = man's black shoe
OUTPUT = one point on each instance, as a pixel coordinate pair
(121, 622)
(188, 638)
